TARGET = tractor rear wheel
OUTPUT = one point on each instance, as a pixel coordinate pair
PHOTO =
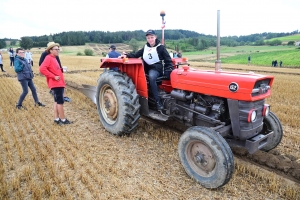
(206, 157)
(271, 122)
(117, 103)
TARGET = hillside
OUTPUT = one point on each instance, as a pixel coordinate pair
(295, 37)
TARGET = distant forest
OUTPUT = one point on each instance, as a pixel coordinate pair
(197, 40)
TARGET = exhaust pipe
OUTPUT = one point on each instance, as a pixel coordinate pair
(218, 61)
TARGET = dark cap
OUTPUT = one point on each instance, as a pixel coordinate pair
(150, 32)
(112, 46)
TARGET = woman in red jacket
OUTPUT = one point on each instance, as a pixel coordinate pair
(55, 80)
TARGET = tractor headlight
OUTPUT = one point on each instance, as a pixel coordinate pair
(252, 115)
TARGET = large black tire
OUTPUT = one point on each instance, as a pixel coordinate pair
(271, 122)
(117, 103)
(206, 157)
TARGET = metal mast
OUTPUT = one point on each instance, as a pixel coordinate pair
(163, 14)
(218, 61)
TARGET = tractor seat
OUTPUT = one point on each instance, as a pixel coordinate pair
(158, 80)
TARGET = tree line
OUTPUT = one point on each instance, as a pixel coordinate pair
(184, 40)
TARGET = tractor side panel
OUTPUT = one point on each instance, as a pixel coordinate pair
(218, 83)
(166, 86)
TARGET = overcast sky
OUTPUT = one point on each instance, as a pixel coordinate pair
(20, 18)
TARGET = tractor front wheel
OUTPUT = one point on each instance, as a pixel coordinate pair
(206, 157)
(117, 102)
(271, 122)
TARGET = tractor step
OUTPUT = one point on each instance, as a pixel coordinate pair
(158, 115)
(258, 142)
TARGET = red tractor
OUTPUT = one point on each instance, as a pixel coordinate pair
(221, 109)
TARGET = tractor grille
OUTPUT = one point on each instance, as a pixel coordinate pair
(261, 87)
(244, 108)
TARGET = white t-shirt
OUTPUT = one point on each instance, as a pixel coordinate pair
(150, 54)
(28, 56)
(1, 59)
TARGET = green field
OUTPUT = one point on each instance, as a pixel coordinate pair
(287, 38)
(290, 58)
(241, 49)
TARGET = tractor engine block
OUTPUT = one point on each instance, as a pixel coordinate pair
(195, 109)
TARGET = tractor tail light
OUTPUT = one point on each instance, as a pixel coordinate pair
(266, 110)
(252, 115)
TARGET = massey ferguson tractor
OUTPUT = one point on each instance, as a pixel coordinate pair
(220, 109)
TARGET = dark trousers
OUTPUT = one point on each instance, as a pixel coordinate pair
(153, 74)
(12, 59)
(1, 66)
(25, 84)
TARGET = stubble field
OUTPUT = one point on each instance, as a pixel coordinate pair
(40, 160)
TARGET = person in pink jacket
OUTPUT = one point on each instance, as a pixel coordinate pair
(56, 82)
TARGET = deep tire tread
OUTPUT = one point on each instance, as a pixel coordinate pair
(128, 110)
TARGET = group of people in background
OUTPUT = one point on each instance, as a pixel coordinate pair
(50, 66)
(175, 54)
(12, 55)
(275, 63)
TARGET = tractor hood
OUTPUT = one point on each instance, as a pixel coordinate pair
(231, 85)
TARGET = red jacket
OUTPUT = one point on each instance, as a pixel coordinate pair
(50, 68)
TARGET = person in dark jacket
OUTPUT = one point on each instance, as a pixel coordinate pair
(42, 58)
(25, 76)
(154, 54)
(113, 54)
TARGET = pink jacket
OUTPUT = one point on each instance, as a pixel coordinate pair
(50, 68)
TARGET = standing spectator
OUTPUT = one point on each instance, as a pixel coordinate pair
(153, 55)
(249, 59)
(113, 54)
(175, 54)
(55, 80)
(273, 63)
(42, 58)
(25, 76)
(11, 56)
(1, 62)
(280, 63)
(179, 55)
(45, 53)
(28, 56)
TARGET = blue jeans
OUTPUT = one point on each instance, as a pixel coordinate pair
(12, 59)
(25, 84)
(153, 74)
